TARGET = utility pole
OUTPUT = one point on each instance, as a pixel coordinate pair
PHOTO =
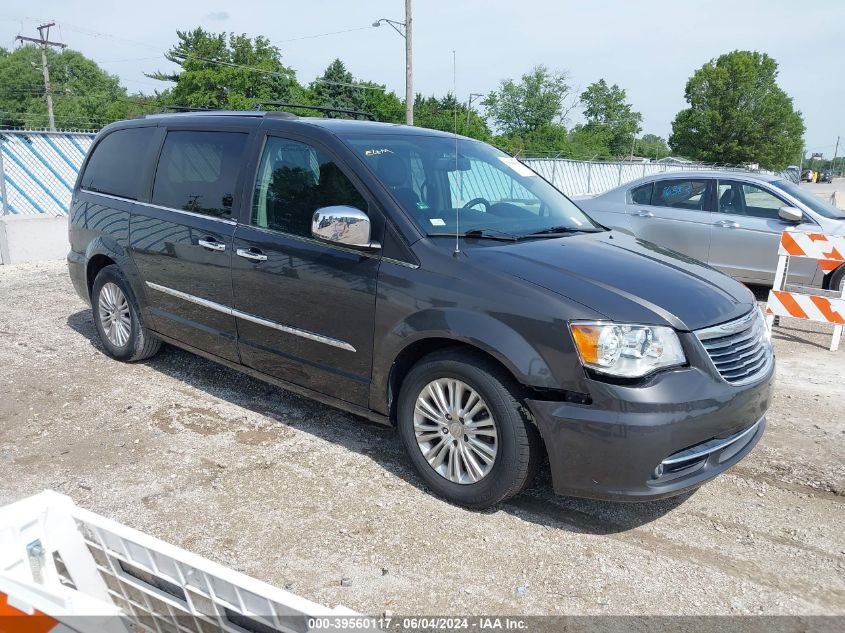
(409, 66)
(44, 41)
(405, 29)
(833, 162)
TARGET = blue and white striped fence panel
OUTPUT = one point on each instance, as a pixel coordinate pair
(39, 170)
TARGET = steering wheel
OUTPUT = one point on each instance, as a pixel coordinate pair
(476, 201)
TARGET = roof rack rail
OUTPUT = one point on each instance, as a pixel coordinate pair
(330, 112)
(178, 108)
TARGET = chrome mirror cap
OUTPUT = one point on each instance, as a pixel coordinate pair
(790, 214)
(343, 225)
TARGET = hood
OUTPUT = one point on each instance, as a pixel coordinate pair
(623, 278)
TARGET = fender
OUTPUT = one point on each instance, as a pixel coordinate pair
(480, 330)
(109, 246)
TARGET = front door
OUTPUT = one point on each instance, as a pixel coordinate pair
(304, 308)
(746, 234)
(182, 239)
(675, 214)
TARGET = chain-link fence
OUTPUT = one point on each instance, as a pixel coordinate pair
(582, 178)
(38, 170)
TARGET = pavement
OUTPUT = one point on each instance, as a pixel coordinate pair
(301, 495)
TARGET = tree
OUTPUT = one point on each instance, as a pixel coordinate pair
(386, 106)
(652, 146)
(84, 95)
(610, 118)
(738, 114)
(227, 71)
(337, 88)
(440, 114)
(538, 99)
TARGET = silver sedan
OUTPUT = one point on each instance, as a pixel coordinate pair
(731, 220)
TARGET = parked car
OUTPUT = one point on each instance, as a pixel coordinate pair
(826, 176)
(425, 281)
(730, 220)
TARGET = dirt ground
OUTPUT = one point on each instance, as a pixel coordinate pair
(301, 495)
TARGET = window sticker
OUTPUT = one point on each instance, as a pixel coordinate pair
(377, 152)
(515, 165)
(437, 222)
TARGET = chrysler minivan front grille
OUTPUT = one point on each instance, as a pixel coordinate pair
(740, 350)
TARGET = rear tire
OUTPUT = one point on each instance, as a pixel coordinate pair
(837, 279)
(487, 450)
(118, 319)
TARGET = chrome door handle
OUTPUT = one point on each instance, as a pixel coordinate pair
(251, 255)
(212, 245)
(643, 214)
(728, 224)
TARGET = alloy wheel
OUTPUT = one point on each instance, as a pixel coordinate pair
(114, 314)
(455, 431)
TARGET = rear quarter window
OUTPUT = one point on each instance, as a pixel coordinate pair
(197, 171)
(642, 194)
(118, 162)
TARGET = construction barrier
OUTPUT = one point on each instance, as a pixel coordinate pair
(829, 251)
(66, 569)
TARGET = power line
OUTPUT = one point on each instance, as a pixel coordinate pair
(311, 37)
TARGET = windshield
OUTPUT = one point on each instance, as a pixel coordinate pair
(478, 189)
(815, 203)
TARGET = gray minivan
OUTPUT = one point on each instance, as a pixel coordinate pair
(730, 220)
(428, 282)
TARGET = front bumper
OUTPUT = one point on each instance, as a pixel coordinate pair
(650, 441)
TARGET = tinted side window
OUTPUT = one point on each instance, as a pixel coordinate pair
(197, 171)
(642, 194)
(680, 193)
(294, 180)
(118, 163)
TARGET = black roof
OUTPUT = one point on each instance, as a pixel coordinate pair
(334, 125)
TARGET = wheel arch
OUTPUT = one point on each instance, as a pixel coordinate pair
(104, 251)
(492, 339)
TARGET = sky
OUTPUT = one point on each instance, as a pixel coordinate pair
(648, 47)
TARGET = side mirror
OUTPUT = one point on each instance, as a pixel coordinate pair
(790, 214)
(343, 225)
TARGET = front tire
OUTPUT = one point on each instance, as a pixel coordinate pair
(465, 431)
(118, 319)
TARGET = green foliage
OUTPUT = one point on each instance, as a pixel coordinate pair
(84, 95)
(738, 114)
(652, 146)
(440, 114)
(549, 139)
(535, 101)
(227, 71)
(386, 106)
(612, 123)
(337, 88)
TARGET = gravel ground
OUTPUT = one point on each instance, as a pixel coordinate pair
(302, 495)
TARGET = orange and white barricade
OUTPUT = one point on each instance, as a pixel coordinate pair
(829, 251)
(67, 570)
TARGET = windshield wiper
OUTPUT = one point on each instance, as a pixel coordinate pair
(482, 234)
(497, 234)
(557, 230)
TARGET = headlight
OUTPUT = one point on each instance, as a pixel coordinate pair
(629, 351)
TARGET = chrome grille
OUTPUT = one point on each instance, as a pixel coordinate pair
(740, 350)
